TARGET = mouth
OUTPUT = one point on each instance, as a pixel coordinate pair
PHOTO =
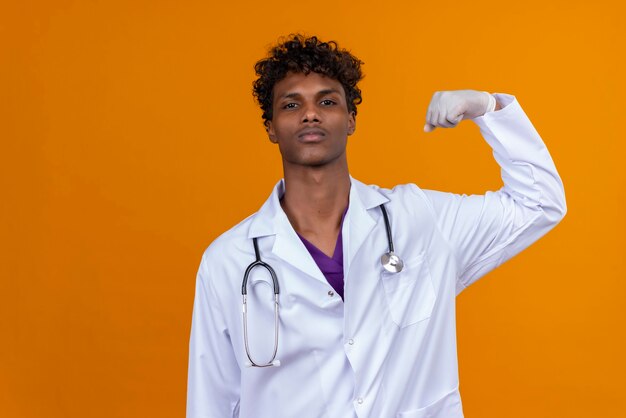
(311, 135)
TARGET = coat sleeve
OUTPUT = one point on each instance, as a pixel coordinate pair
(486, 230)
(214, 377)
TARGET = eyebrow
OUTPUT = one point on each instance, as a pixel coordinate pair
(319, 93)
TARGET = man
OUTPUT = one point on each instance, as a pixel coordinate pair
(354, 337)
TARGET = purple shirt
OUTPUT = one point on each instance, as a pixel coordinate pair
(331, 267)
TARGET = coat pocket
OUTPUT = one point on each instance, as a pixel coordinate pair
(410, 294)
(447, 407)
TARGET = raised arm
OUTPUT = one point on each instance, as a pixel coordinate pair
(486, 230)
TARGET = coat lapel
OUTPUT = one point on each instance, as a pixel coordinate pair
(271, 220)
(360, 219)
(289, 247)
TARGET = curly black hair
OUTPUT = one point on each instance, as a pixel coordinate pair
(300, 54)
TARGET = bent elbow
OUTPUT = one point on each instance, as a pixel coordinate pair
(563, 208)
(556, 210)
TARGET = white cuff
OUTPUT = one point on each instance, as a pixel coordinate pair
(491, 106)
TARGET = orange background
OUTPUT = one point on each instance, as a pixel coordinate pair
(130, 140)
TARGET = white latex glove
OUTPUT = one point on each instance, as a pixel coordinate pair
(448, 108)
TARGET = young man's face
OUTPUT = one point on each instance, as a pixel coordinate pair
(311, 121)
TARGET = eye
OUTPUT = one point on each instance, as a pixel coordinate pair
(290, 106)
(327, 102)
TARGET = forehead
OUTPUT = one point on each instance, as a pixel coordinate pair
(306, 84)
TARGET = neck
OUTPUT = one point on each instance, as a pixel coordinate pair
(315, 199)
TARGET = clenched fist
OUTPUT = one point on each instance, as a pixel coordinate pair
(448, 108)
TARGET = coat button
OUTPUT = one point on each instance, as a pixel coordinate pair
(351, 341)
(331, 293)
(360, 401)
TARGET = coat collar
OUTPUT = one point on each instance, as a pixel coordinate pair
(271, 217)
(272, 220)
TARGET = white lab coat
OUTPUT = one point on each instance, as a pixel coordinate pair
(389, 350)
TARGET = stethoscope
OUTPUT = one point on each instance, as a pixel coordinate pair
(390, 261)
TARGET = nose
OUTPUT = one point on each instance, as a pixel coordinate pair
(310, 114)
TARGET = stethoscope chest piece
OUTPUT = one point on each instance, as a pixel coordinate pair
(392, 262)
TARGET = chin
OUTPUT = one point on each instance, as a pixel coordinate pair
(318, 161)
(314, 160)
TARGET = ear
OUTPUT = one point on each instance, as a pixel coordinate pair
(351, 123)
(269, 128)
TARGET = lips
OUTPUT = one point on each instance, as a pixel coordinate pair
(311, 134)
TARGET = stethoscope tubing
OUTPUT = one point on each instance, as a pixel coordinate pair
(244, 292)
(387, 227)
